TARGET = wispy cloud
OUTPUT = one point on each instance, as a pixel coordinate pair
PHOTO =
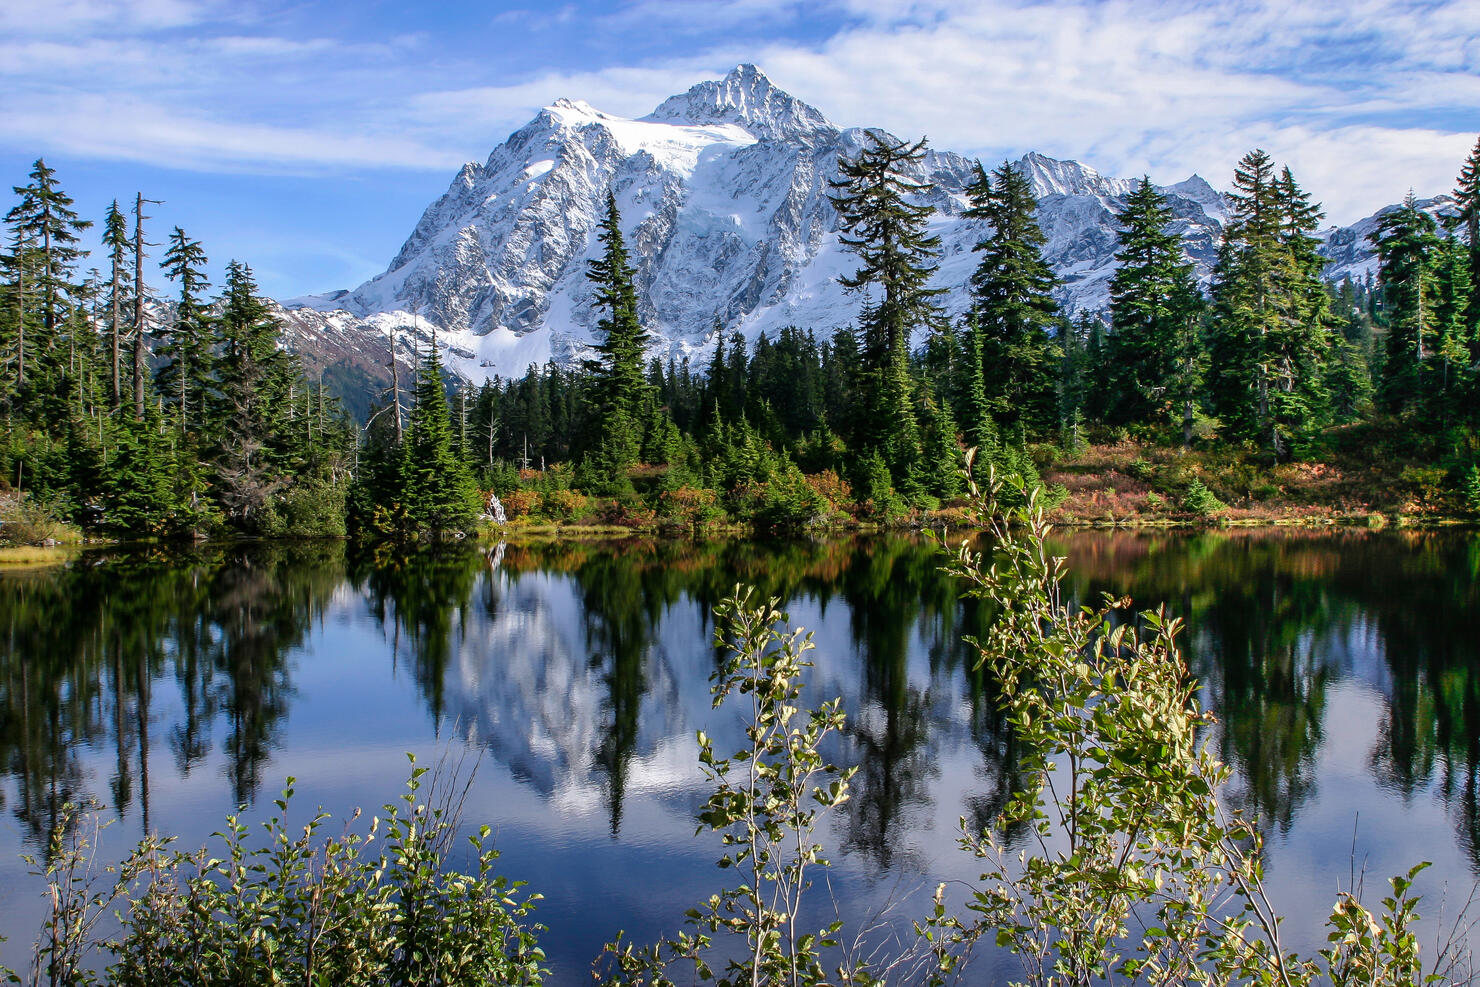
(1363, 98)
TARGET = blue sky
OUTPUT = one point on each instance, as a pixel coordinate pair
(306, 137)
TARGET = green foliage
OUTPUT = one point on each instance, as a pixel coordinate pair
(1155, 355)
(1270, 318)
(28, 521)
(1014, 305)
(440, 493)
(768, 801)
(897, 255)
(1470, 491)
(307, 509)
(1133, 868)
(371, 906)
(1198, 499)
(618, 390)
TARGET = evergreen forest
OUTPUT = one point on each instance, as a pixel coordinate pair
(142, 412)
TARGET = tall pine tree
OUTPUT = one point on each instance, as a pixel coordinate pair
(183, 378)
(1271, 313)
(1155, 352)
(1467, 197)
(619, 389)
(897, 257)
(1013, 293)
(45, 217)
(1407, 243)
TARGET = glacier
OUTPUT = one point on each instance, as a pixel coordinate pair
(724, 198)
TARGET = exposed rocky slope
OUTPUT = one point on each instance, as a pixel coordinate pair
(723, 192)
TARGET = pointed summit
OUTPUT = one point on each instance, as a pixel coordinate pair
(747, 98)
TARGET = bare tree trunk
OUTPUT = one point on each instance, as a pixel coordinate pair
(20, 322)
(117, 316)
(139, 218)
(396, 387)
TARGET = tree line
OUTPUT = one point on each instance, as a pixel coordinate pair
(163, 415)
(186, 414)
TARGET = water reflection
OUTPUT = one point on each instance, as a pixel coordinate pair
(86, 646)
(582, 669)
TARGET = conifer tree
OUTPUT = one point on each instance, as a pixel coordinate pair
(619, 390)
(253, 379)
(1407, 242)
(45, 217)
(116, 239)
(1467, 198)
(1452, 365)
(1271, 314)
(183, 379)
(976, 411)
(1154, 357)
(441, 494)
(1013, 292)
(897, 257)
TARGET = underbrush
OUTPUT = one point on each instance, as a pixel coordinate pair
(25, 521)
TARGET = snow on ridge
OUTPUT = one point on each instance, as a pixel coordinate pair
(725, 208)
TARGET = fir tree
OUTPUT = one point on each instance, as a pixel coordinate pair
(1154, 349)
(183, 379)
(1407, 241)
(619, 391)
(45, 217)
(1013, 292)
(116, 239)
(1271, 314)
(897, 258)
(1467, 198)
(253, 381)
(441, 494)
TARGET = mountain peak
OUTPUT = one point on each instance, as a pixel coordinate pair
(1054, 176)
(745, 97)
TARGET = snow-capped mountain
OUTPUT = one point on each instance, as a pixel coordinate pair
(724, 198)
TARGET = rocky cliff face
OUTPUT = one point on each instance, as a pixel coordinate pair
(723, 192)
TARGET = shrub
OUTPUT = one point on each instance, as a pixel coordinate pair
(520, 503)
(768, 802)
(24, 520)
(308, 509)
(1141, 469)
(1199, 500)
(1133, 868)
(1470, 490)
(1426, 483)
(832, 488)
(692, 507)
(378, 906)
(563, 505)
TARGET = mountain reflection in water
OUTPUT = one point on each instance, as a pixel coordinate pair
(171, 687)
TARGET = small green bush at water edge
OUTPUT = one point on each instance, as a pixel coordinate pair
(378, 906)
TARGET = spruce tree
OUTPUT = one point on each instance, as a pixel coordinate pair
(183, 378)
(1270, 326)
(1467, 198)
(45, 217)
(619, 390)
(1407, 243)
(888, 233)
(1013, 293)
(250, 401)
(116, 239)
(1154, 347)
(441, 494)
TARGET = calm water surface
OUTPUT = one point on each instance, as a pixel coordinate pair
(170, 688)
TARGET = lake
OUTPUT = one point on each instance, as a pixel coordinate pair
(171, 687)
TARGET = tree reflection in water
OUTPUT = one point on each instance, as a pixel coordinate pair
(583, 667)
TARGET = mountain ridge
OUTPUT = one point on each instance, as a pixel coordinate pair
(724, 200)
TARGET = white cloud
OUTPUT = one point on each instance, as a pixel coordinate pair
(1355, 96)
